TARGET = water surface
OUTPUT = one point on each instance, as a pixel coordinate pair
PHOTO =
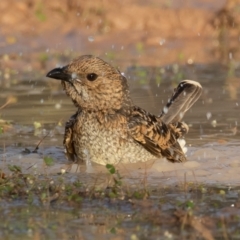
(213, 153)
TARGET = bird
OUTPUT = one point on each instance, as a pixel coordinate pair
(108, 128)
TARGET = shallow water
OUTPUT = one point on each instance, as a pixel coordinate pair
(213, 154)
(42, 108)
(158, 217)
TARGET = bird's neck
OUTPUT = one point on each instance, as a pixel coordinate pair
(110, 118)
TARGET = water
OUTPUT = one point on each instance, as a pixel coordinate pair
(132, 219)
(206, 184)
(42, 108)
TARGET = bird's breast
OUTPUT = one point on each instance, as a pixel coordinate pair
(105, 139)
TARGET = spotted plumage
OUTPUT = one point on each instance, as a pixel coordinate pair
(108, 127)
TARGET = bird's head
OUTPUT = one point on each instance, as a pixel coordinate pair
(93, 84)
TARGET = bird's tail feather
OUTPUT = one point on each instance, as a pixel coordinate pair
(184, 96)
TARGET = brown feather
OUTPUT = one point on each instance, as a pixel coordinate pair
(155, 136)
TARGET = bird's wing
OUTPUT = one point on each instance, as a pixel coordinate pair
(154, 135)
(68, 138)
(184, 96)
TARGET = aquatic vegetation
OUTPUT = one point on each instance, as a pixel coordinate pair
(165, 211)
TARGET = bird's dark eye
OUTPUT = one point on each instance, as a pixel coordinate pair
(92, 76)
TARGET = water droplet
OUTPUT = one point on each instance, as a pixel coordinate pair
(209, 115)
(162, 41)
(41, 101)
(190, 61)
(74, 75)
(214, 123)
(90, 38)
(58, 105)
(165, 109)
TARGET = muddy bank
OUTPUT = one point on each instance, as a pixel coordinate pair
(42, 33)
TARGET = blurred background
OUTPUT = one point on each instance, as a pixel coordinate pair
(153, 33)
(156, 44)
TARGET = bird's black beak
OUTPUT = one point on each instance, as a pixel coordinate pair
(60, 74)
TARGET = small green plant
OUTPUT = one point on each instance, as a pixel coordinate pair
(111, 168)
(139, 47)
(39, 13)
(48, 161)
(111, 55)
(14, 168)
(43, 58)
(115, 188)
